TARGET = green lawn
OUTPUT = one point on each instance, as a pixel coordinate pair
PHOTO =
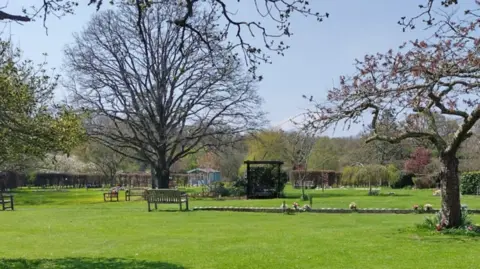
(76, 229)
(334, 198)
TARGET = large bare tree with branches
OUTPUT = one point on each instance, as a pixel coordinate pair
(440, 75)
(166, 94)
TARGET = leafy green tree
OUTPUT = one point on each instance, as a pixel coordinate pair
(266, 145)
(365, 175)
(31, 125)
(393, 174)
(105, 160)
(348, 175)
(325, 155)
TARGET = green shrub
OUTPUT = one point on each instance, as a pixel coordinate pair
(430, 223)
(423, 182)
(404, 180)
(239, 187)
(373, 192)
(304, 197)
(219, 189)
(469, 182)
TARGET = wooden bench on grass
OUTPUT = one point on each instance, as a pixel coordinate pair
(166, 196)
(7, 201)
(111, 195)
(135, 192)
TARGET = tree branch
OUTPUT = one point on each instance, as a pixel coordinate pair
(8, 16)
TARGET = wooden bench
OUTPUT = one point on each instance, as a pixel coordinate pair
(7, 201)
(110, 195)
(135, 192)
(166, 196)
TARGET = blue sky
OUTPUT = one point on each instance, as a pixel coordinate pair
(319, 53)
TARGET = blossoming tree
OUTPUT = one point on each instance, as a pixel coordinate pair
(423, 79)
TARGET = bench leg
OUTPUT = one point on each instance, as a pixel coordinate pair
(156, 208)
(149, 207)
(11, 203)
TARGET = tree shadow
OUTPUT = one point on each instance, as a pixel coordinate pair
(171, 210)
(393, 195)
(85, 263)
(318, 195)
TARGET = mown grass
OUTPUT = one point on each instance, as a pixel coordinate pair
(76, 229)
(334, 198)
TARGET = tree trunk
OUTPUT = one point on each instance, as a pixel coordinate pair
(162, 174)
(154, 177)
(450, 189)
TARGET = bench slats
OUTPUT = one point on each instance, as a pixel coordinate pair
(6, 200)
(166, 196)
(134, 192)
(110, 195)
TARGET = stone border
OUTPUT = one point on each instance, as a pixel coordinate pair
(322, 210)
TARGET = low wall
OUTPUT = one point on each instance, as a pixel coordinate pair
(324, 210)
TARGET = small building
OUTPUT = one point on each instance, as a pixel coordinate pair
(203, 176)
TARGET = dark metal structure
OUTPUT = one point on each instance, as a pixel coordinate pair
(259, 191)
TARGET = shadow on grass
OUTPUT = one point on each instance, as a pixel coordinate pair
(318, 195)
(170, 210)
(428, 235)
(84, 263)
(394, 195)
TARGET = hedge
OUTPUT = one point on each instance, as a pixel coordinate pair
(470, 182)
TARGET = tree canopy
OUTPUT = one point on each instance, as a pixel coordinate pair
(147, 96)
(415, 84)
(269, 21)
(31, 125)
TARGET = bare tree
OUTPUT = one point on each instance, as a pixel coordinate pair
(164, 105)
(299, 147)
(279, 13)
(273, 24)
(105, 160)
(436, 76)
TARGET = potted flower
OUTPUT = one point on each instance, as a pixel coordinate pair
(307, 208)
(353, 206)
(428, 207)
(295, 206)
(415, 207)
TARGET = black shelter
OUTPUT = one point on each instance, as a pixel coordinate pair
(262, 182)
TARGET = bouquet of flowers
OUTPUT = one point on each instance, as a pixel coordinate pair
(427, 207)
(306, 208)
